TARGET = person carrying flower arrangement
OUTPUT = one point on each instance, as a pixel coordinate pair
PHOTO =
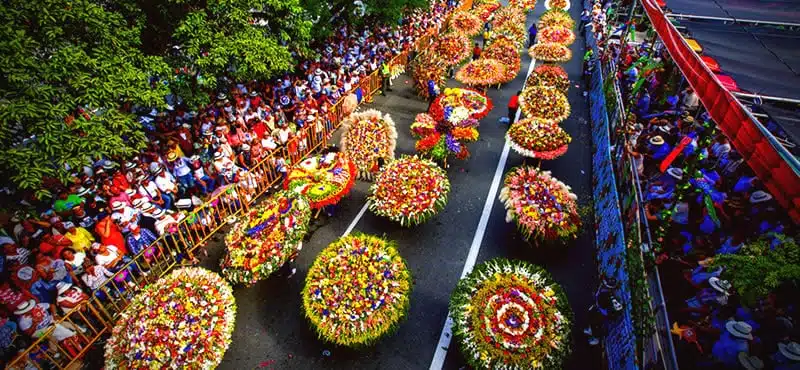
(513, 105)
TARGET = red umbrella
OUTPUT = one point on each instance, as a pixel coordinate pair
(728, 82)
(712, 63)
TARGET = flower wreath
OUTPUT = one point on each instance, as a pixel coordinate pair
(508, 16)
(267, 237)
(556, 18)
(558, 35)
(367, 136)
(549, 75)
(535, 138)
(452, 48)
(550, 52)
(544, 208)
(466, 23)
(324, 180)
(556, 4)
(184, 320)
(357, 290)
(482, 72)
(506, 53)
(545, 103)
(410, 191)
(476, 103)
(511, 315)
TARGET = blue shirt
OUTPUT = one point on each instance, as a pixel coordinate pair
(661, 151)
(727, 349)
(431, 88)
(532, 31)
(146, 237)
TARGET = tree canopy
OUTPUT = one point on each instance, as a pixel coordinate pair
(71, 70)
(333, 13)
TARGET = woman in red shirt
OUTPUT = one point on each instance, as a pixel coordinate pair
(110, 234)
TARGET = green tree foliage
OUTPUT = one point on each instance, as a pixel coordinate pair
(757, 270)
(71, 69)
(59, 58)
(239, 40)
(330, 14)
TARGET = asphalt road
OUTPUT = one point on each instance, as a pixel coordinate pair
(271, 331)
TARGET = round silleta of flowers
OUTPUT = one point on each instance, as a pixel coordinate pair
(556, 18)
(367, 137)
(511, 315)
(482, 72)
(556, 4)
(452, 48)
(550, 52)
(322, 179)
(267, 237)
(536, 138)
(558, 35)
(357, 290)
(465, 23)
(544, 103)
(410, 191)
(549, 75)
(544, 208)
(183, 321)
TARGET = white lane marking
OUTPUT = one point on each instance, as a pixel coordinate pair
(355, 220)
(472, 256)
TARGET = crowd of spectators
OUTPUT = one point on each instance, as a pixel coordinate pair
(702, 203)
(57, 256)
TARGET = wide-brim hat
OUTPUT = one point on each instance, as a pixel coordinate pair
(721, 286)
(318, 72)
(108, 165)
(158, 170)
(790, 350)
(253, 93)
(117, 205)
(130, 192)
(664, 128)
(171, 156)
(759, 197)
(688, 119)
(129, 165)
(158, 212)
(245, 147)
(221, 96)
(675, 172)
(138, 202)
(318, 79)
(217, 155)
(285, 100)
(147, 206)
(657, 140)
(750, 362)
(82, 191)
(739, 329)
(63, 286)
(184, 203)
(24, 307)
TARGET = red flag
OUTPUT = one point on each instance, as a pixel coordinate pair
(674, 154)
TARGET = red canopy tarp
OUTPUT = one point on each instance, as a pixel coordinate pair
(778, 177)
(712, 63)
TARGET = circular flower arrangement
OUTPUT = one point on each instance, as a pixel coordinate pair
(508, 54)
(550, 52)
(466, 23)
(184, 320)
(527, 5)
(452, 48)
(512, 31)
(448, 137)
(508, 16)
(410, 191)
(511, 315)
(556, 18)
(423, 125)
(535, 138)
(556, 4)
(549, 75)
(264, 241)
(485, 11)
(427, 67)
(482, 72)
(324, 180)
(477, 104)
(506, 38)
(558, 35)
(368, 136)
(543, 207)
(357, 290)
(544, 102)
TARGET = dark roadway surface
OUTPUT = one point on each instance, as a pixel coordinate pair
(271, 331)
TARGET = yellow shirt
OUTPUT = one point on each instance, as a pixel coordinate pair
(81, 239)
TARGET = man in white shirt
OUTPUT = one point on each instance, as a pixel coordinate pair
(181, 168)
(166, 183)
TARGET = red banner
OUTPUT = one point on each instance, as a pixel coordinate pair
(778, 178)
